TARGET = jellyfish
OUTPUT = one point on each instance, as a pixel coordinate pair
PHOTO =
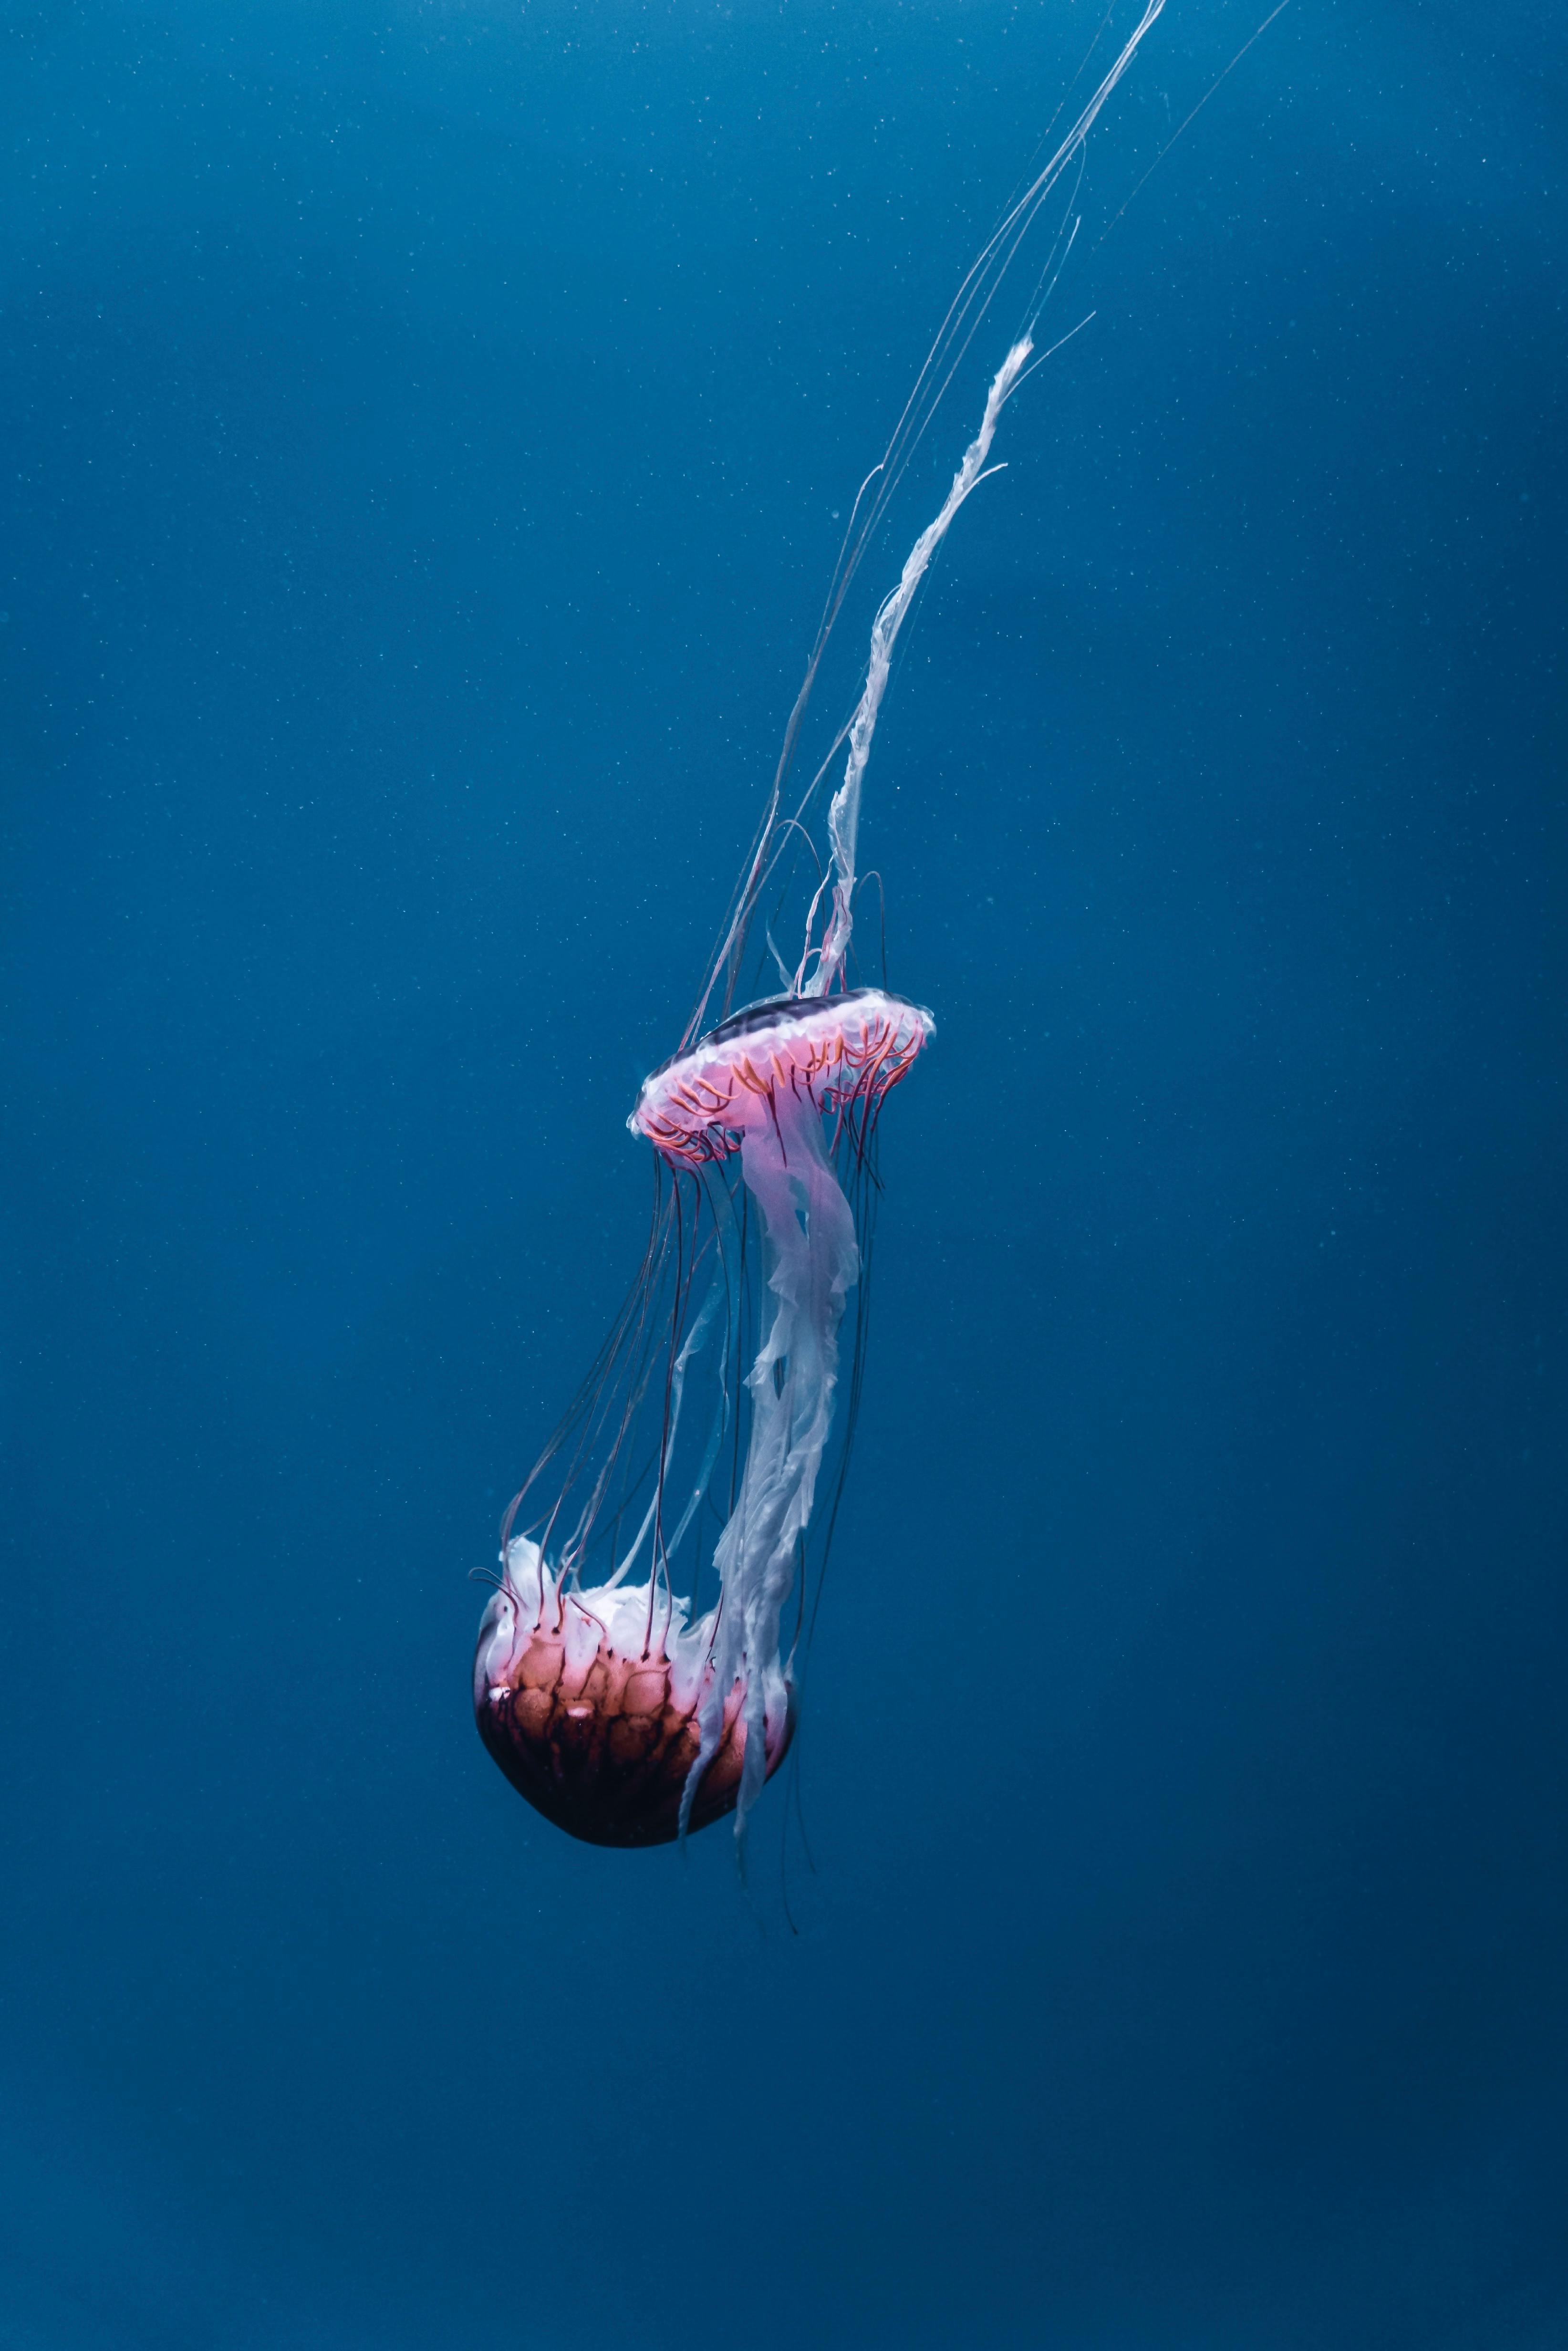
(636, 1675)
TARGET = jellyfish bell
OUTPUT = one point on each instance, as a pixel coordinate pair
(619, 1712)
(834, 1053)
(636, 1677)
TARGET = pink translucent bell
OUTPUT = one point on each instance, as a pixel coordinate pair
(839, 1050)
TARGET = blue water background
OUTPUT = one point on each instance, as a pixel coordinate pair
(423, 432)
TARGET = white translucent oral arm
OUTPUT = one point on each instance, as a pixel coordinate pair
(843, 815)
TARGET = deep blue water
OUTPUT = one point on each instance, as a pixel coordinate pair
(423, 432)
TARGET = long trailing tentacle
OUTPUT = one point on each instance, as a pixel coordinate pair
(966, 313)
(843, 815)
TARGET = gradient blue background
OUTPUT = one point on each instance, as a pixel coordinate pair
(421, 430)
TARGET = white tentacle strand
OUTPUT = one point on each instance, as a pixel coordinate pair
(844, 816)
